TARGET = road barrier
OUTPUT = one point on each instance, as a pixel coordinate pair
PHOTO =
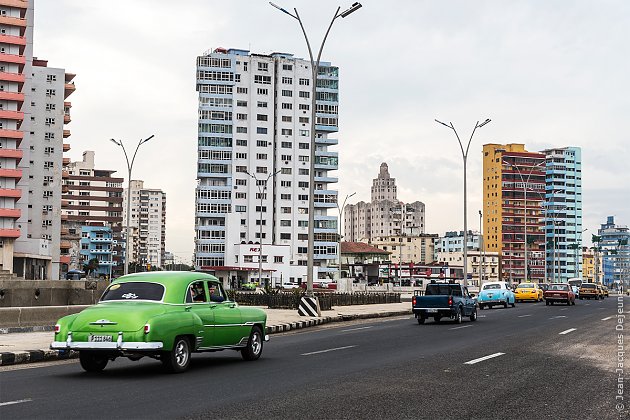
(291, 300)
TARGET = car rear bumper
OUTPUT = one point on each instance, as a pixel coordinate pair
(119, 344)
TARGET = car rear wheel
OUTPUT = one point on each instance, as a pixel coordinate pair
(568, 302)
(505, 304)
(421, 320)
(178, 359)
(473, 315)
(254, 345)
(546, 303)
(92, 361)
(458, 316)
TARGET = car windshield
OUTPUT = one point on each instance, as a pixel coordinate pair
(558, 287)
(491, 286)
(134, 291)
(588, 286)
(525, 286)
(443, 289)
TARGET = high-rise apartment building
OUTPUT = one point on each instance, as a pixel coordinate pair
(613, 244)
(254, 144)
(385, 215)
(15, 48)
(513, 210)
(563, 225)
(91, 197)
(148, 223)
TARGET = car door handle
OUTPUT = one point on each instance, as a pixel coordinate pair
(213, 306)
(232, 305)
(188, 308)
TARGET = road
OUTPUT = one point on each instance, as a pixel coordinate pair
(548, 362)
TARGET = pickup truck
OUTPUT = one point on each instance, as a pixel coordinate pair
(441, 300)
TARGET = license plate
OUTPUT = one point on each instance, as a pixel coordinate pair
(99, 338)
(431, 310)
(557, 295)
(490, 295)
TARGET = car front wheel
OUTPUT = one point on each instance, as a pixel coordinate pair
(458, 316)
(91, 361)
(473, 315)
(178, 359)
(254, 345)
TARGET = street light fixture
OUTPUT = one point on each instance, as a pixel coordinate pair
(525, 182)
(465, 157)
(311, 185)
(341, 209)
(129, 168)
(262, 187)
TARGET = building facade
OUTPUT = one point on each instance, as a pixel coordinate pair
(16, 47)
(418, 249)
(97, 243)
(486, 263)
(385, 215)
(591, 265)
(454, 242)
(148, 223)
(91, 197)
(513, 210)
(254, 161)
(563, 219)
(613, 243)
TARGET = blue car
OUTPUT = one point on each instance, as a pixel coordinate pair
(496, 293)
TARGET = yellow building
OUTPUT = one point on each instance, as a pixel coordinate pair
(588, 266)
(513, 216)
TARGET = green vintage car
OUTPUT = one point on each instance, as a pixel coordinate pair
(165, 315)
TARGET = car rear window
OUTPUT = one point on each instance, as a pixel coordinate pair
(134, 291)
(491, 286)
(558, 287)
(588, 286)
(443, 289)
(525, 286)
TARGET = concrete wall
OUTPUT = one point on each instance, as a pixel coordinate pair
(27, 293)
(37, 316)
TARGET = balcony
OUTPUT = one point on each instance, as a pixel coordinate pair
(12, 134)
(12, 58)
(66, 148)
(9, 233)
(11, 115)
(13, 40)
(66, 119)
(10, 173)
(65, 245)
(11, 96)
(65, 189)
(64, 259)
(66, 134)
(11, 213)
(13, 21)
(11, 154)
(65, 174)
(68, 89)
(65, 161)
(10, 193)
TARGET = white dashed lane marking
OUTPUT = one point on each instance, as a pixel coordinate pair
(523, 316)
(567, 331)
(463, 326)
(327, 350)
(607, 318)
(15, 402)
(481, 359)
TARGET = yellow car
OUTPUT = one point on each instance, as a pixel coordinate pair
(528, 291)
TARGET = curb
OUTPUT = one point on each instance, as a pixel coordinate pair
(32, 356)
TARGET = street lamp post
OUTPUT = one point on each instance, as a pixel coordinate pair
(262, 187)
(311, 185)
(341, 209)
(480, 246)
(129, 168)
(465, 157)
(525, 182)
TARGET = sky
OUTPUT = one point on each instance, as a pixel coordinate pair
(548, 74)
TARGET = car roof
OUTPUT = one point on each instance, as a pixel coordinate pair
(175, 282)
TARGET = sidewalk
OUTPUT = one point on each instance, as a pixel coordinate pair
(28, 347)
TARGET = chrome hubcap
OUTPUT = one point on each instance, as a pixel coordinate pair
(256, 343)
(181, 353)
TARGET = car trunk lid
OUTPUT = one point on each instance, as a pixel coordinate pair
(116, 316)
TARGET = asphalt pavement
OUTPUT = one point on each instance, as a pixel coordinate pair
(528, 362)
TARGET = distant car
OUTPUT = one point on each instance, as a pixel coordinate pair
(495, 293)
(165, 315)
(589, 291)
(248, 286)
(576, 291)
(561, 293)
(528, 291)
(605, 291)
(289, 285)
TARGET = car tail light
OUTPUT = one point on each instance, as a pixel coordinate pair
(147, 328)
(450, 300)
(57, 328)
(413, 301)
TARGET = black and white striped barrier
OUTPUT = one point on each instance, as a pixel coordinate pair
(309, 306)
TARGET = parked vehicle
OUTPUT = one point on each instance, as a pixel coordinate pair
(605, 292)
(561, 293)
(589, 291)
(528, 291)
(441, 300)
(496, 293)
(165, 315)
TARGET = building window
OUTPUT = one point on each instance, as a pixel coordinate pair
(287, 93)
(262, 91)
(241, 142)
(287, 132)
(261, 130)
(262, 143)
(287, 80)
(285, 236)
(262, 104)
(241, 90)
(304, 107)
(305, 94)
(287, 118)
(241, 130)
(287, 67)
(261, 117)
(263, 66)
(277, 259)
(305, 82)
(287, 105)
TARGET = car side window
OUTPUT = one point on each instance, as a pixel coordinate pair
(215, 292)
(196, 293)
(466, 293)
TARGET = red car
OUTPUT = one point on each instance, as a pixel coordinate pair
(559, 292)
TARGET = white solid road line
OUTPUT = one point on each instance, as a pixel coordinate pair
(567, 331)
(356, 329)
(523, 316)
(463, 326)
(327, 350)
(607, 318)
(15, 402)
(556, 317)
(481, 359)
